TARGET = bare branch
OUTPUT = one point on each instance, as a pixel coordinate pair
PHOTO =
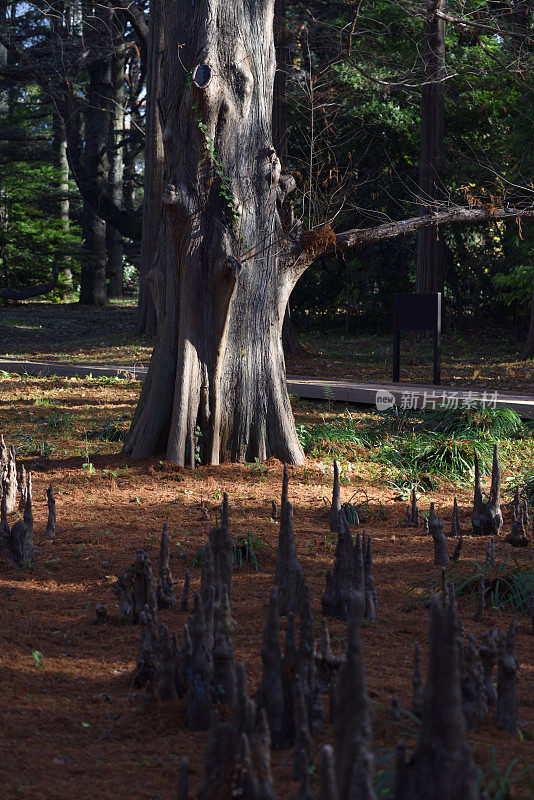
(136, 17)
(360, 237)
(481, 28)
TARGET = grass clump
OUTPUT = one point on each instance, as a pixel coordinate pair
(476, 421)
(113, 429)
(497, 784)
(509, 584)
(339, 439)
(431, 453)
(60, 421)
(245, 550)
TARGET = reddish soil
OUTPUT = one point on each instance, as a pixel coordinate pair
(74, 727)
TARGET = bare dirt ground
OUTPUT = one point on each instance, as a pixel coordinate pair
(72, 333)
(71, 724)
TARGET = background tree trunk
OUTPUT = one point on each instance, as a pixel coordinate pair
(290, 340)
(114, 243)
(216, 385)
(525, 16)
(151, 254)
(4, 110)
(4, 106)
(430, 253)
(96, 121)
(59, 147)
(528, 349)
(59, 142)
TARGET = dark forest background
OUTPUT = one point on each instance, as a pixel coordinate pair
(351, 99)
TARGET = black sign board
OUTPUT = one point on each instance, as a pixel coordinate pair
(417, 312)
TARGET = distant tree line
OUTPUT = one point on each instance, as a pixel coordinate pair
(382, 111)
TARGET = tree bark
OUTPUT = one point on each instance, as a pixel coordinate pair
(62, 166)
(217, 377)
(114, 243)
(430, 253)
(4, 103)
(152, 256)
(97, 120)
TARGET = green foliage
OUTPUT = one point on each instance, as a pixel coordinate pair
(420, 447)
(433, 454)
(515, 287)
(351, 513)
(246, 548)
(60, 421)
(31, 236)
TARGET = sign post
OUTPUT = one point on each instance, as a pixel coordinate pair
(417, 312)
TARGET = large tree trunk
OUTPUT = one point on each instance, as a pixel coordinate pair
(152, 260)
(216, 385)
(96, 26)
(430, 254)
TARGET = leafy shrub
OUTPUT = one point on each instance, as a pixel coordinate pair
(31, 237)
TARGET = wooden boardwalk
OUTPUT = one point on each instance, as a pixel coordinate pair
(405, 395)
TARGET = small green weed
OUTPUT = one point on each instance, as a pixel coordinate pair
(259, 469)
(38, 659)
